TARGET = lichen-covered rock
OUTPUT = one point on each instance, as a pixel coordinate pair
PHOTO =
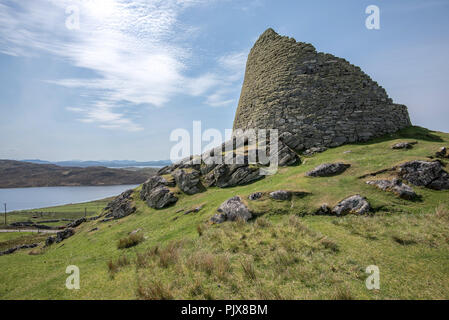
(188, 181)
(285, 155)
(122, 206)
(231, 210)
(319, 98)
(396, 186)
(225, 175)
(328, 169)
(152, 183)
(353, 205)
(255, 196)
(281, 195)
(403, 145)
(424, 173)
(160, 197)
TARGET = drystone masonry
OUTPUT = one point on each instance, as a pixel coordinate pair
(321, 99)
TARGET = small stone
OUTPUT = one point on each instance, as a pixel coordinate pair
(323, 210)
(255, 196)
(396, 186)
(231, 210)
(328, 169)
(352, 205)
(403, 145)
(281, 195)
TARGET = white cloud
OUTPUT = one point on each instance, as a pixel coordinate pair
(132, 46)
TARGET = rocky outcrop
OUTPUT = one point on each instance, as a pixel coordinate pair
(396, 186)
(224, 175)
(76, 223)
(320, 99)
(353, 205)
(231, 210)
(14, 249)
(188, 182)
(153, 183)
(60, 236)
(121, 206)
(328, 169)
(403, 145)
(160, 197)
(424, 173)
(281, 195)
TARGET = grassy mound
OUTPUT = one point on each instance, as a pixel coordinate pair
(285, 252)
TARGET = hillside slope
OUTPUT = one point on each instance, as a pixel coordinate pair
(18, 174)
(285, 252)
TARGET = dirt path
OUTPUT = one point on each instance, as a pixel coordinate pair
(29, 230)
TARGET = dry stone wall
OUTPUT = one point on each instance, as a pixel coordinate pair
(322, 99)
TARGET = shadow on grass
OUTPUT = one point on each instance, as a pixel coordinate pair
(412, 132)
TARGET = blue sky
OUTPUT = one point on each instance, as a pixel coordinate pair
(136, 70)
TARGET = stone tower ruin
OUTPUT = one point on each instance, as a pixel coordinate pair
(321, 99)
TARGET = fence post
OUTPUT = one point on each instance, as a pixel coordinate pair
(5, 214)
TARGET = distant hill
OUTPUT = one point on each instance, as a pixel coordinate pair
(20, 174)
(105, 163)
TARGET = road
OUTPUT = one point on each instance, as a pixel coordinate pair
(29, 230)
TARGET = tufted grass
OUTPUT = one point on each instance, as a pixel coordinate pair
(283, 253)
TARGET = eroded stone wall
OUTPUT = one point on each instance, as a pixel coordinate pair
(322, 99)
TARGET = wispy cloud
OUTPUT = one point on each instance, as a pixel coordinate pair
(132, 46)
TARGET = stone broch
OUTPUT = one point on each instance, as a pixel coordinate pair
(321, 99)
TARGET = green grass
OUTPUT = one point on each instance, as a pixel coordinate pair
(284, 253)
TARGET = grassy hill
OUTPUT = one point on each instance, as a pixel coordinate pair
(18, 174)
(284, 253)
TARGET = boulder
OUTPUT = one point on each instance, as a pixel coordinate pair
(255, 196)
(424, 173)
(231, 210)
(403, 145)
(188, 182)
(161, 197)
(152, 183)
(225, 175)
(328, 169)
(396, 186)
(355, 205)
(281, 195)
(121, 206)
